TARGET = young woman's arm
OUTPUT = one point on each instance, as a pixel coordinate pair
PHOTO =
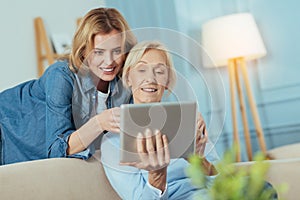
(108, 120)
(62, 138)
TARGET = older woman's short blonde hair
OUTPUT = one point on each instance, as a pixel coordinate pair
(136, 54)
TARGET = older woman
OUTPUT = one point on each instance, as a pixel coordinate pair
(148, 72)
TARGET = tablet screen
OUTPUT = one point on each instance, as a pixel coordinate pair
(177, 120)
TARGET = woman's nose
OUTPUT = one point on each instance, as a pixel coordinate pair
(108, 58)
(151, 76)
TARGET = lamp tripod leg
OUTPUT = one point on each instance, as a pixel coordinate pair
(259, 131)
(243, 112)
(231, 66)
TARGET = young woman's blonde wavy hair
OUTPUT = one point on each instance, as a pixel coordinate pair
(99, 20)
(136, 54)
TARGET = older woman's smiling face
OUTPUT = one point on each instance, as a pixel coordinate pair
(149, 78)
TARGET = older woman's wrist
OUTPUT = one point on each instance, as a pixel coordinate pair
(208, 168)
(158, 178)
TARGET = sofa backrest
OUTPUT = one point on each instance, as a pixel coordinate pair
(56, 178)
(282, 171)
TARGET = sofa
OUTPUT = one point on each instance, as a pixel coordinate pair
(70, 178)
(282, 172)
(55, 179)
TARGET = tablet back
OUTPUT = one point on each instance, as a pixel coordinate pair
(177, 120)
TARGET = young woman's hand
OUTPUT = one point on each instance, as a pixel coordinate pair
(201, 136)
(109, 120)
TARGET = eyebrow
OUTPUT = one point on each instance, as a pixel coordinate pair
(116, 48)
(107, 49)
(158, 64)
(141, 61)
(161, 65)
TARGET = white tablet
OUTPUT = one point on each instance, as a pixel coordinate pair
(177, 120)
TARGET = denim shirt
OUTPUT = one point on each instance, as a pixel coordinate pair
(38, 116)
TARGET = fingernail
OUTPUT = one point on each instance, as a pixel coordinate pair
(148, 132)
(139, 135)
(156, 131)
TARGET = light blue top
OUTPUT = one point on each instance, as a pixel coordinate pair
(38, 116)
(132, 183)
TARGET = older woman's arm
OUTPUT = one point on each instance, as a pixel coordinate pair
(201, 140)
(154, 157)
(128, 182)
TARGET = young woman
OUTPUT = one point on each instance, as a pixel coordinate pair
(64, 111)
(148, 72)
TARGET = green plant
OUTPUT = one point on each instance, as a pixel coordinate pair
(233, 182)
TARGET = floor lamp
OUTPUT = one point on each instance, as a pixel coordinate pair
(231, 41)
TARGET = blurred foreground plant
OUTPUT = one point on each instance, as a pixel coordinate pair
(233, 182)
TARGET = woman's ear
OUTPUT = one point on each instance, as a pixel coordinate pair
(167, 84)
(128, 80)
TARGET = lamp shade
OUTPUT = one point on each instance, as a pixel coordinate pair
(231, 36)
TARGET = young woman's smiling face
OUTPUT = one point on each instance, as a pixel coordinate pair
(149, 78)
(107, 58)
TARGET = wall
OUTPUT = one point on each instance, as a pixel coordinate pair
(278, 74)
(274, 78)
(18, 56)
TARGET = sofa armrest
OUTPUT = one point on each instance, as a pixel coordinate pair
(56, 178)
(284, 171)
(286, 151)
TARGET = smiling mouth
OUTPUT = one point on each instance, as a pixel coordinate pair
(149, 89)
(109, 69)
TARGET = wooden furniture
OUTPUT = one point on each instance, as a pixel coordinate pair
(44, 49)
(233, 66)
(78, 21)
(232, 40)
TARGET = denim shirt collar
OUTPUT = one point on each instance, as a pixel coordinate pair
(114, 86)
(87, 83)
(85, 79)
(84, 98)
